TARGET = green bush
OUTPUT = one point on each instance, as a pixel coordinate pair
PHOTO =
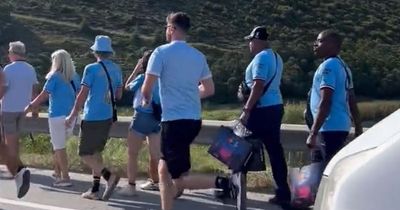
(371, 45)
(294, 113)
(38, 144)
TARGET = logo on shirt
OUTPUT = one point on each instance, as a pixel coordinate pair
(260, 66)
(326, 71)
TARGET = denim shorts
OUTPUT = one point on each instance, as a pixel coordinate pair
(144, 124)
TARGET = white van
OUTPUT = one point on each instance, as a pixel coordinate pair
(365, 174)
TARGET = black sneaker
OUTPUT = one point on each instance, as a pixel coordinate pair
(231, 190)
(110, 186)
(284, 203)
(22, 180)
(221, 195)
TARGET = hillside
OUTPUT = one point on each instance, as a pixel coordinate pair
(371, 29)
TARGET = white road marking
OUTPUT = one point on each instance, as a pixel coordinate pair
(32, 205)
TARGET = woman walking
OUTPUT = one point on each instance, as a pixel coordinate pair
(144, 125)
(61, 87)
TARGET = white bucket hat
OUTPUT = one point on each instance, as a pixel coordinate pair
(102, 43)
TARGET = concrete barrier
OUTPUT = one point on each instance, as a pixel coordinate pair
(292, 136)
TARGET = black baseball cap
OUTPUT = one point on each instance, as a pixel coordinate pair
(259, 32)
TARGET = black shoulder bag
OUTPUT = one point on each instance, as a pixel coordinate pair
(115, 115)
(308, 117)
(244, 91)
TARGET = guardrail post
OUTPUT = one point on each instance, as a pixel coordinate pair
(241, 199)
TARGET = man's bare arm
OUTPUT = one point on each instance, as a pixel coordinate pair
(355, 114)
(80, 100)
(206, 88)
(118, 93)
(256, 92)
(148, 87)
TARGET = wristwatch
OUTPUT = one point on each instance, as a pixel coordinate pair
(145, 101)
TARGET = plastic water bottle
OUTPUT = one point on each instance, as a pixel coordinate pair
(240, 130)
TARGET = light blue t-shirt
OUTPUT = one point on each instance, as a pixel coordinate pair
(135, 86)
(98, 104)
(332, 74)
(263, 67)
(62, 94)
(180, 68)
(20, 77)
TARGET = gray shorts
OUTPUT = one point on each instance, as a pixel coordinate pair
(93, 136)
(12, 122)
(144, 124)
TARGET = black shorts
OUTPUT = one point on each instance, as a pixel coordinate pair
(176, 137)
(93, 136)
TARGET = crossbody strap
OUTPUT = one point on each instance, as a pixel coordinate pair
(109, 84)
(348, 79)
(273, 77)
(73, 86)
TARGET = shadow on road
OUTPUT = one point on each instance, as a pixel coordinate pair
(193, 200)
(46, 183)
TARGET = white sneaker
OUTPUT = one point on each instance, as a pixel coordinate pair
(55, 176)
(150, 185)
(6, 175)
(127, 190)
(62, 183)
(22, 180)
(91, 195)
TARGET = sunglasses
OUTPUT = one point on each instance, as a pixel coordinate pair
(169, 26)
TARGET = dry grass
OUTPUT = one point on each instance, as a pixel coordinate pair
(38, 153)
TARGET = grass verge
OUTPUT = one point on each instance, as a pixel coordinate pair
(38, 153)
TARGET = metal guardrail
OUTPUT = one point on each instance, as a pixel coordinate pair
(292, 136)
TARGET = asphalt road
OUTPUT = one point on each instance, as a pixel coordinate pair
(43, 196)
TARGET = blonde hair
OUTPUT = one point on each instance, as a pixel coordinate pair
(62, 62)
(17, 48)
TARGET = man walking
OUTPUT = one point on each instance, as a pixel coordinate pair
(263, 110)
(101, 82)
(332, 101)
(17, 91)
(184, 77)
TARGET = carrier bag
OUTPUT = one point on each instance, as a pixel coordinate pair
(230, 149)
(304, 183)
(257, 158)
